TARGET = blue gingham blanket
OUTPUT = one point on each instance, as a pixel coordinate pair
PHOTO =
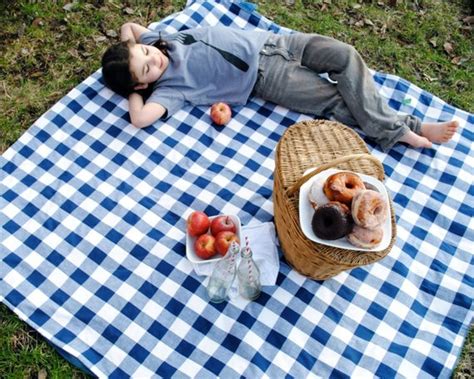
(93, 241)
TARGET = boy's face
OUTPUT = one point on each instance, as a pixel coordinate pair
(147, 64)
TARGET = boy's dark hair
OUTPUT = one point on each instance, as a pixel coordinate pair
(116, 71)
(116, 68)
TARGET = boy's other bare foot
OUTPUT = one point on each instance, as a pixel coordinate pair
(439, 132)
(415, 140)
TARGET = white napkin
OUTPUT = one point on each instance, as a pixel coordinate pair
(263, 243)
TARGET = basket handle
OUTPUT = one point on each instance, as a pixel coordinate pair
(293, 189)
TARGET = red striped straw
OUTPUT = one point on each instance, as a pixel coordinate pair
(247, 247)
(232, 257)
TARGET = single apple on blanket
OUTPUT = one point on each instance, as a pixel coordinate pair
(205, 246)
(223, 241)
(198, 223)
(222, 223)
(220, 113)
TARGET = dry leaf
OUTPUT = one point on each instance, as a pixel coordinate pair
(42, 374)
(368, 22)
(74, 53)
(37, 22)
(433, 42)
(356, 6)
(468, 20)
(359, 23)
(100, 39)
(457, 61)
(111, 33)
(85, 54)
(448, 47)
(68, 7)
(128, 10)
(429, 78)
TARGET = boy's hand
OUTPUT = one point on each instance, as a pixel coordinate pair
(132, 32)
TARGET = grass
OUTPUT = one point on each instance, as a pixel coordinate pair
(50, 47)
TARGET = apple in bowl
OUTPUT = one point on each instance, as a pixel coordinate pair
(205, 246)
(222, 223)
(223, 241)
(191, 252)
(198, 223)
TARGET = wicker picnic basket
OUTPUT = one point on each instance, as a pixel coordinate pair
(322, 144)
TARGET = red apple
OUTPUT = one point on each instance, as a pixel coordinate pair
(198, 223)
(223, 241)
(205, 246)
(220, 113)
(222, 223)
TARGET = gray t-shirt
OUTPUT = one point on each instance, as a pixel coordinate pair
(221, 65)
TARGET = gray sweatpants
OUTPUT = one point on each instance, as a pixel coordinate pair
(289, 68)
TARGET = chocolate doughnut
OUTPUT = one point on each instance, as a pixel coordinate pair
(343, 186)
(331, 221)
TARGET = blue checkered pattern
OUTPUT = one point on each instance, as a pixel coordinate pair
(93, 242)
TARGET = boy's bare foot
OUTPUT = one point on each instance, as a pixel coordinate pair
(415, 140)
(439, 132)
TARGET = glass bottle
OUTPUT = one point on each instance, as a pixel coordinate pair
(223, 275)
(249, 275)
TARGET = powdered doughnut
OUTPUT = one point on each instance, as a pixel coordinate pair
(331, 221)
(316, 195)
(365, 238)
(343, 186)
(369, 209)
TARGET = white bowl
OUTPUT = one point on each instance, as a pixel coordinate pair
(307, 211)
(191, 253)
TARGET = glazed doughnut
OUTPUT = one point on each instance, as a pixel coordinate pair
(369, 209)
(365, 238)
(343, 186)
(332, 221)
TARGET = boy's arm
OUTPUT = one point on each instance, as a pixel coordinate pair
(142, 114)
(132, 31)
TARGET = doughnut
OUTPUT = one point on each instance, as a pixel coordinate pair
(365, 238)
(331, 221)
(369, 209)
(316, 195)
(342, 186)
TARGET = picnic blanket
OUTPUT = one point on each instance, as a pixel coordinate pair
(93, 241)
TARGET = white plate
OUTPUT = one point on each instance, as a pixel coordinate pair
(307, 211)
(191, 253)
